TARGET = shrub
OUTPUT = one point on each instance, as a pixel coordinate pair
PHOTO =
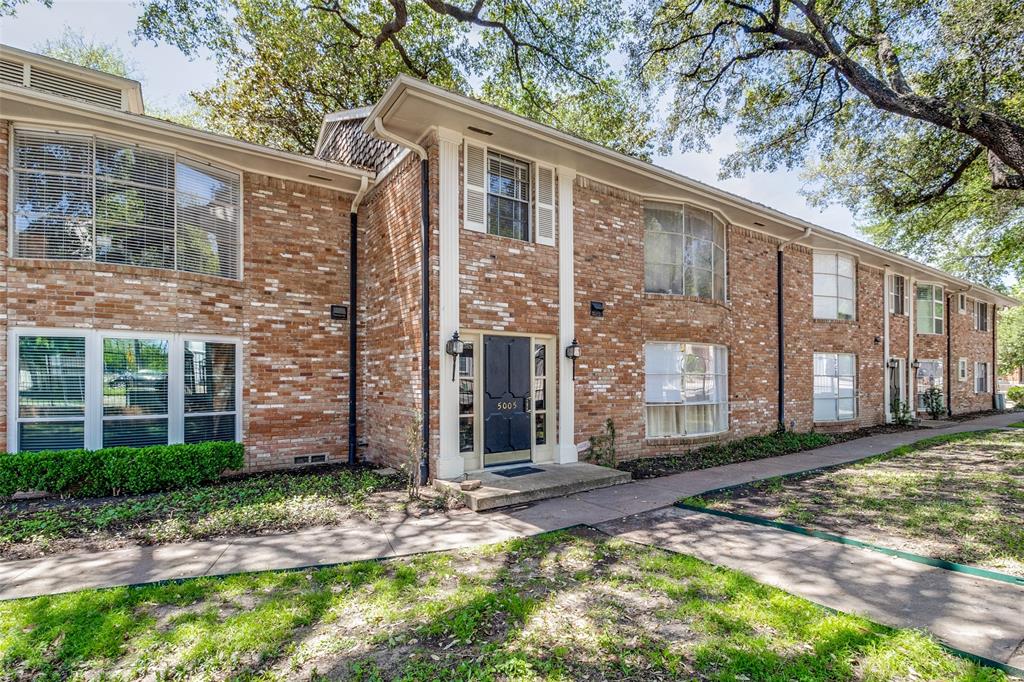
(1016, 395)
(118, 471)
(602, 447)
(934, 403)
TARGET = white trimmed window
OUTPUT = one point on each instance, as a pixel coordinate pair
(82, 197)
(930, 309)
(961, 369)
(981, 316)
(835, 387)
(981, 377)
(507, 196)
(835, 286)
(687, 388)
(684, 251)
(961, 303)
(897, 294)
(93, 389)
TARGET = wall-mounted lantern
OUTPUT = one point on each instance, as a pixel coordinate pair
(893, 364)
(454, 347)
(916, 364)
(573, 351)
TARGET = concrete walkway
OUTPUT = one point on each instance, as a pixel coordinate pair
(977, 615)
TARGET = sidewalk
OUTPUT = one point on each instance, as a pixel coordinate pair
(461, 528)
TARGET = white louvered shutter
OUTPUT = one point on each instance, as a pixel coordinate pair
(475, 187)
(545, 205)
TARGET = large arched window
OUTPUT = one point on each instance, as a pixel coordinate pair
(684, 251)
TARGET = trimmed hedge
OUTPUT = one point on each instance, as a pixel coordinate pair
(118, 471)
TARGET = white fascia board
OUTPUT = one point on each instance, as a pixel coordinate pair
(22, 105)
(403, 85)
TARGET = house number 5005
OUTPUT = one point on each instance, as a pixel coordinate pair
(506, 405)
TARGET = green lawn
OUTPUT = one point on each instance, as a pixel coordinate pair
(268, 503)
(1017, 425)
(562, 606)
(958, 497)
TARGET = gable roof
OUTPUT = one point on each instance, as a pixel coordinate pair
(342, 140)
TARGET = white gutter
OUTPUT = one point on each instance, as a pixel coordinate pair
(363, 184)
(175, 130)
(378, 127)
(794, 240)
(649, 170)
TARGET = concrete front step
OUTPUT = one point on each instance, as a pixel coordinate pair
(553, 480)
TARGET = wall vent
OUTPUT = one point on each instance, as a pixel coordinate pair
(67, 86)
(12, 72)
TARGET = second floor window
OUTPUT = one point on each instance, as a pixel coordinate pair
(80, 197)
(834, 286)
(684, 251)
(930, 309)
(981, 316)
(897, 294)
(508, 197)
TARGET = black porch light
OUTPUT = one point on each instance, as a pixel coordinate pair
(573, 351)
(893, 364)
(916, 364)
(454, 347)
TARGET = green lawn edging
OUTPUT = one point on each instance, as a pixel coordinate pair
(853, 542)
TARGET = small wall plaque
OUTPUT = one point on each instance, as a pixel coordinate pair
(597, 308)
(339, 312)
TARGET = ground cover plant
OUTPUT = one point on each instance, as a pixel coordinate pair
(745, 450)
(562, 606)
(957, 497)
(266, 503)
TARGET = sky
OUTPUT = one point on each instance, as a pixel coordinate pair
(167, 76)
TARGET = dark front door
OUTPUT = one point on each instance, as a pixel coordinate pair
(506, 399)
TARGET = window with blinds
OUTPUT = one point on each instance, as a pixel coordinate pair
(148, 390)
(209, 381)
(51, 392)
(135, 375)
(82, 197)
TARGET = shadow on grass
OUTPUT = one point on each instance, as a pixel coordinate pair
(565, 605)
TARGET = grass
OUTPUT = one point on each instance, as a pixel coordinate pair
(264, 503)
(957, 497)
(1017, 425)
(561, 606)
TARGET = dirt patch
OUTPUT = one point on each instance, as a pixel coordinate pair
(960, 501)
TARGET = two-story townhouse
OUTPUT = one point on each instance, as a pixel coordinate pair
(163, 284)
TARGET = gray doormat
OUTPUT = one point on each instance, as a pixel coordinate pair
(518, 471)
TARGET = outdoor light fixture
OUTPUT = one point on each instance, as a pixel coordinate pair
(454, 347)
(893, 364)
(573, 351)
(916, 364)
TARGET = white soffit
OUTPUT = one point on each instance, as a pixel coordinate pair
(411, 108)
(44, 111)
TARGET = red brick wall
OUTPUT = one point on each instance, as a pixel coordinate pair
(295, 264)
(806, 336)
(389, 321)
(976, 346)
(609, 262)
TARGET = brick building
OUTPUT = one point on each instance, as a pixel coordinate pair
(162, 284)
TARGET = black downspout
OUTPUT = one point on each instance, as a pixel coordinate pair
(353, 356)
(425, 318)
(782, 346)
(949, 359)
(995, 370)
